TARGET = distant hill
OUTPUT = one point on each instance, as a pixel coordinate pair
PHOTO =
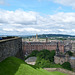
(56, 35)
(42, 35)
(52, 35)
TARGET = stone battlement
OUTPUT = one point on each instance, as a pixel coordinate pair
(11, 47)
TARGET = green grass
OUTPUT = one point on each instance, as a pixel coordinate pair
(52, 65)
(15, 66)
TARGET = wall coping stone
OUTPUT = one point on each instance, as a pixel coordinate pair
(10, 39)
(60, 70)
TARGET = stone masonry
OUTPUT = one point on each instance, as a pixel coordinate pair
(11, 47)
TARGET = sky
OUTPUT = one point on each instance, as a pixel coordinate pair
(30, 17)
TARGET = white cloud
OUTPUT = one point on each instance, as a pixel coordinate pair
(18, 17)
(7, 29)
(16, 24)
(21, 22)
(73, 30)
(64, 31)
(1, 24)
(32, 29)
(65, 2)
(28, 30)
(61, 30)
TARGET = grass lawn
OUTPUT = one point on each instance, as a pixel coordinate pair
(15, 66)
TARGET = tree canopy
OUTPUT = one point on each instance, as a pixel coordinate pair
(46, 54)
(70, 53)
(66, 65)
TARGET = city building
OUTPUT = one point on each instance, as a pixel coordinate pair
(73, 47)
(61, 58)
(28, 47)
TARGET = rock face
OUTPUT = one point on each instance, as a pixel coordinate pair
(11, 47)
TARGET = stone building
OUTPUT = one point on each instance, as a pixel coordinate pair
(68, 47)
(73, 47)
(28, 47)
(72, 62)
(61, 58)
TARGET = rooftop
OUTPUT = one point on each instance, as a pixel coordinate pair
(31, 59)
(50, 43)
(72, 58)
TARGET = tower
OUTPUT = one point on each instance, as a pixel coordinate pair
(36, 36)
(57, 49)
(46, 39)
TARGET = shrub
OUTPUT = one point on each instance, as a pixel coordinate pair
(42, 63)
(66, 65)
(34, 53)
(46, 54)
(70, 53)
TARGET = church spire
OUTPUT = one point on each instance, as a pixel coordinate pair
(57, 49)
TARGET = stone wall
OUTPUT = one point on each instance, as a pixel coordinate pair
(11, 47)
(60, 70)
(73, 46)
(61, 60)
(72, 62)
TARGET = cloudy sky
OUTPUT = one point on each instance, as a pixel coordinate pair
(30, 17)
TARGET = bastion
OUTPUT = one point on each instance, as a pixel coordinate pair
(11, 47)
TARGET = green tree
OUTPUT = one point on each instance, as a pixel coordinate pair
(34, 53)
(70, 53)
(44, 54)
(66, 65)
(47, 55)
(42, 63)
(52, 54)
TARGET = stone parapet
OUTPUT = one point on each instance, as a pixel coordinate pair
(11, 47)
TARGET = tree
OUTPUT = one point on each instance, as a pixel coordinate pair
(42, 63)
(44, 54)
(70, 53)
(34, 53)
(47, 55)
(66, 65)
(52, 54)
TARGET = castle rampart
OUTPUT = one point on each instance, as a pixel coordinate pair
(11, 47)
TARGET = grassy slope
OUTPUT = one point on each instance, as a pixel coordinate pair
(15, 66)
